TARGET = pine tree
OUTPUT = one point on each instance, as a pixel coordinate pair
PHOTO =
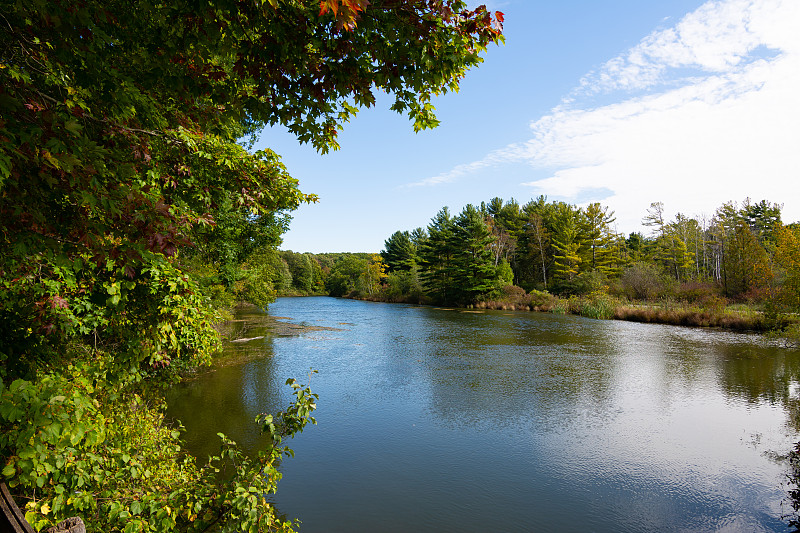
(565, 242)
(400, 252)
(436, 257)
(596, 232)
(475, 272)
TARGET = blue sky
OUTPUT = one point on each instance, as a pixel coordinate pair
(622, 102)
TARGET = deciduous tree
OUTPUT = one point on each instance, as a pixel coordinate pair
(121, 128)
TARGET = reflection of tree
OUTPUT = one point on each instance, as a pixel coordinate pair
(768, 374)
(500, 369)
(758, 374)
(228, 399)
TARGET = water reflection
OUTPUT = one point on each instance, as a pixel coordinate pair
(227, 398)
(440, 420)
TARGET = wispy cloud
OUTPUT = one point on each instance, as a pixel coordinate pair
(491, 160)
(703, 112)
(713, 39)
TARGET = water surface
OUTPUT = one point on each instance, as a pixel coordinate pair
(443, 420)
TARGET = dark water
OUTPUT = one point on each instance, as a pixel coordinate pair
(438, 420)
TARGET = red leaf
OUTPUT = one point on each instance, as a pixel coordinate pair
(325, 5)
(58, 302)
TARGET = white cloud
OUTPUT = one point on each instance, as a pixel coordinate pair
(702, 116)
(715, 38)
(495, 158)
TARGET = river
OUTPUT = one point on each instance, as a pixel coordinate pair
(437, 420)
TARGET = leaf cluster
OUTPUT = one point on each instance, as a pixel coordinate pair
(114, 460)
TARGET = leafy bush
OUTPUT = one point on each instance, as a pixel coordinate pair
(642, 281)
(110, 458)
(404, 286)
(541, 300)
(583, 283)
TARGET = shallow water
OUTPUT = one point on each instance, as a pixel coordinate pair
(440, 420)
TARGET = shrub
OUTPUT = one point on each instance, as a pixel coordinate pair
(541, 300)
(597, 305)
(694, 291)
(642, 281)
(713, 304)
(404, 286)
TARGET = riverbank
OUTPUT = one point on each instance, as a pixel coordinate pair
(713, 312)
(248, 323)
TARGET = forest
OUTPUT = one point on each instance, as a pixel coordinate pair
(134, 209)
(542, 254)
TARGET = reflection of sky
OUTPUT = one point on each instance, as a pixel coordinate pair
(437, 420)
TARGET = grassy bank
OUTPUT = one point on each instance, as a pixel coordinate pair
(703, 309)
(714, 312)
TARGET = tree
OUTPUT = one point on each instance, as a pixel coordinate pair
(437, 257)
(120, 130)
(764, 218)
(374, 274)
(504, 221)
(400, 252)
(565, 242)
(742, 263)
(538, 243)
(301, 267)
(787, 260)
(746, 263)
(595, 226)
(655, 218)
(121, 162)
(534, 256)
(475, 272)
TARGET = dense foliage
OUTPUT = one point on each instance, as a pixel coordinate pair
(500, 250)
(132, 209)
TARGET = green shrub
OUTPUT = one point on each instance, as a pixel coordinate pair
(597, 305)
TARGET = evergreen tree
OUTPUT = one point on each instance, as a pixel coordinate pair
(565, 242)
(400, 252)
(534, 253)
(763, 218)
(474, 272)
(596, 232)
(437, 257)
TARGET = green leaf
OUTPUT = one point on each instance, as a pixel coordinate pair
(136, 507)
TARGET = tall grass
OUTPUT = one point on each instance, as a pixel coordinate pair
(597, 305)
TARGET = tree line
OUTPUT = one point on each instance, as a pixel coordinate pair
(743, 252)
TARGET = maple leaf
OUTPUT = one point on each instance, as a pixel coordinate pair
(58, 302)
(497, 24)
(345, 14)
(326, 5)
